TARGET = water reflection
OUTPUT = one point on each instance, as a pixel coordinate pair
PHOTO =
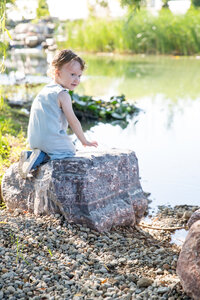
(139, 76)
(28, 61)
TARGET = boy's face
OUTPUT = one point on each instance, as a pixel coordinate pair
(69, 75)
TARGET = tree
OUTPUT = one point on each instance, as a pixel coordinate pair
(196, 2)
(165, 3)
(2, 33)
(132, 4)
(43, 9)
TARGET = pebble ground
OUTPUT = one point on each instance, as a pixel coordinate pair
(47, 258)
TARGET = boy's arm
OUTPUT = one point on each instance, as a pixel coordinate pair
(65, 103)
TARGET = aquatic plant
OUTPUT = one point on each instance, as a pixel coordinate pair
(116, 107)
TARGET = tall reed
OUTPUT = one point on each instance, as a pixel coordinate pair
(142, 33)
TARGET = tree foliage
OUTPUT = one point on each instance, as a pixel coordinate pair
(196, 2)
(3, 45)
(131, 3)
(2, 33)
(42, 9)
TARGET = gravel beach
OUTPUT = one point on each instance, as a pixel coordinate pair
(46, 258)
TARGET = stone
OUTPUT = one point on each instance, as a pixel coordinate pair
(188, 265)
(163, 290)
(32, 35)
(195, 217)
(187, 214)
(144, 282)
(10, 289)
(96, 189)
(33, 40)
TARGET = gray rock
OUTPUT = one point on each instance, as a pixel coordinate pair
(33, 34)
(10, 289)
(8, 275)
(163, 289)
(99, 190)
(144, 282)
(187, 214)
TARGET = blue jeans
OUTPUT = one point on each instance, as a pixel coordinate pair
(42, 159)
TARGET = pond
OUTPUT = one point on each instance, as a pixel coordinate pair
(165, 134)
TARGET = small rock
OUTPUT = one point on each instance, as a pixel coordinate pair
(122, 260)
(11, 289)
(166, 267)
(187, 215)
(159, 271)
(179, 214)
(4, 270)
(162, 290)
(144, 282)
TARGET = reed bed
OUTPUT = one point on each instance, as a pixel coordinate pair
(140, 33)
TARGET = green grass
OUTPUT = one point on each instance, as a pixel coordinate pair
(13, 124)
(142, 33)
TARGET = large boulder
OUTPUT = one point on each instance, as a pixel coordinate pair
(99, 189)
(188, 266)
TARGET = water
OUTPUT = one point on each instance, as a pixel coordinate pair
(178, 237)
(165, 135)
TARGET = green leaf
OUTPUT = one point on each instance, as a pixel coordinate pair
(92, 107)
(78, 100)
(118, 116)
(82, 103)
(1, 100)
(8, 33)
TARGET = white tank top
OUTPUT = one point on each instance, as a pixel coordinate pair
(48, 124)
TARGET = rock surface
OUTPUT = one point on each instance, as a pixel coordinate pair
(100, 190)
(188, 266)
(195, 217)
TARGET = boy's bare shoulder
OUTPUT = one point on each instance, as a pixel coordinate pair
(64, 96)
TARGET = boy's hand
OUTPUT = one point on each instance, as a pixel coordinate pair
(91, 144)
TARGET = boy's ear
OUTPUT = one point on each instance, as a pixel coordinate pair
(57, 72)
